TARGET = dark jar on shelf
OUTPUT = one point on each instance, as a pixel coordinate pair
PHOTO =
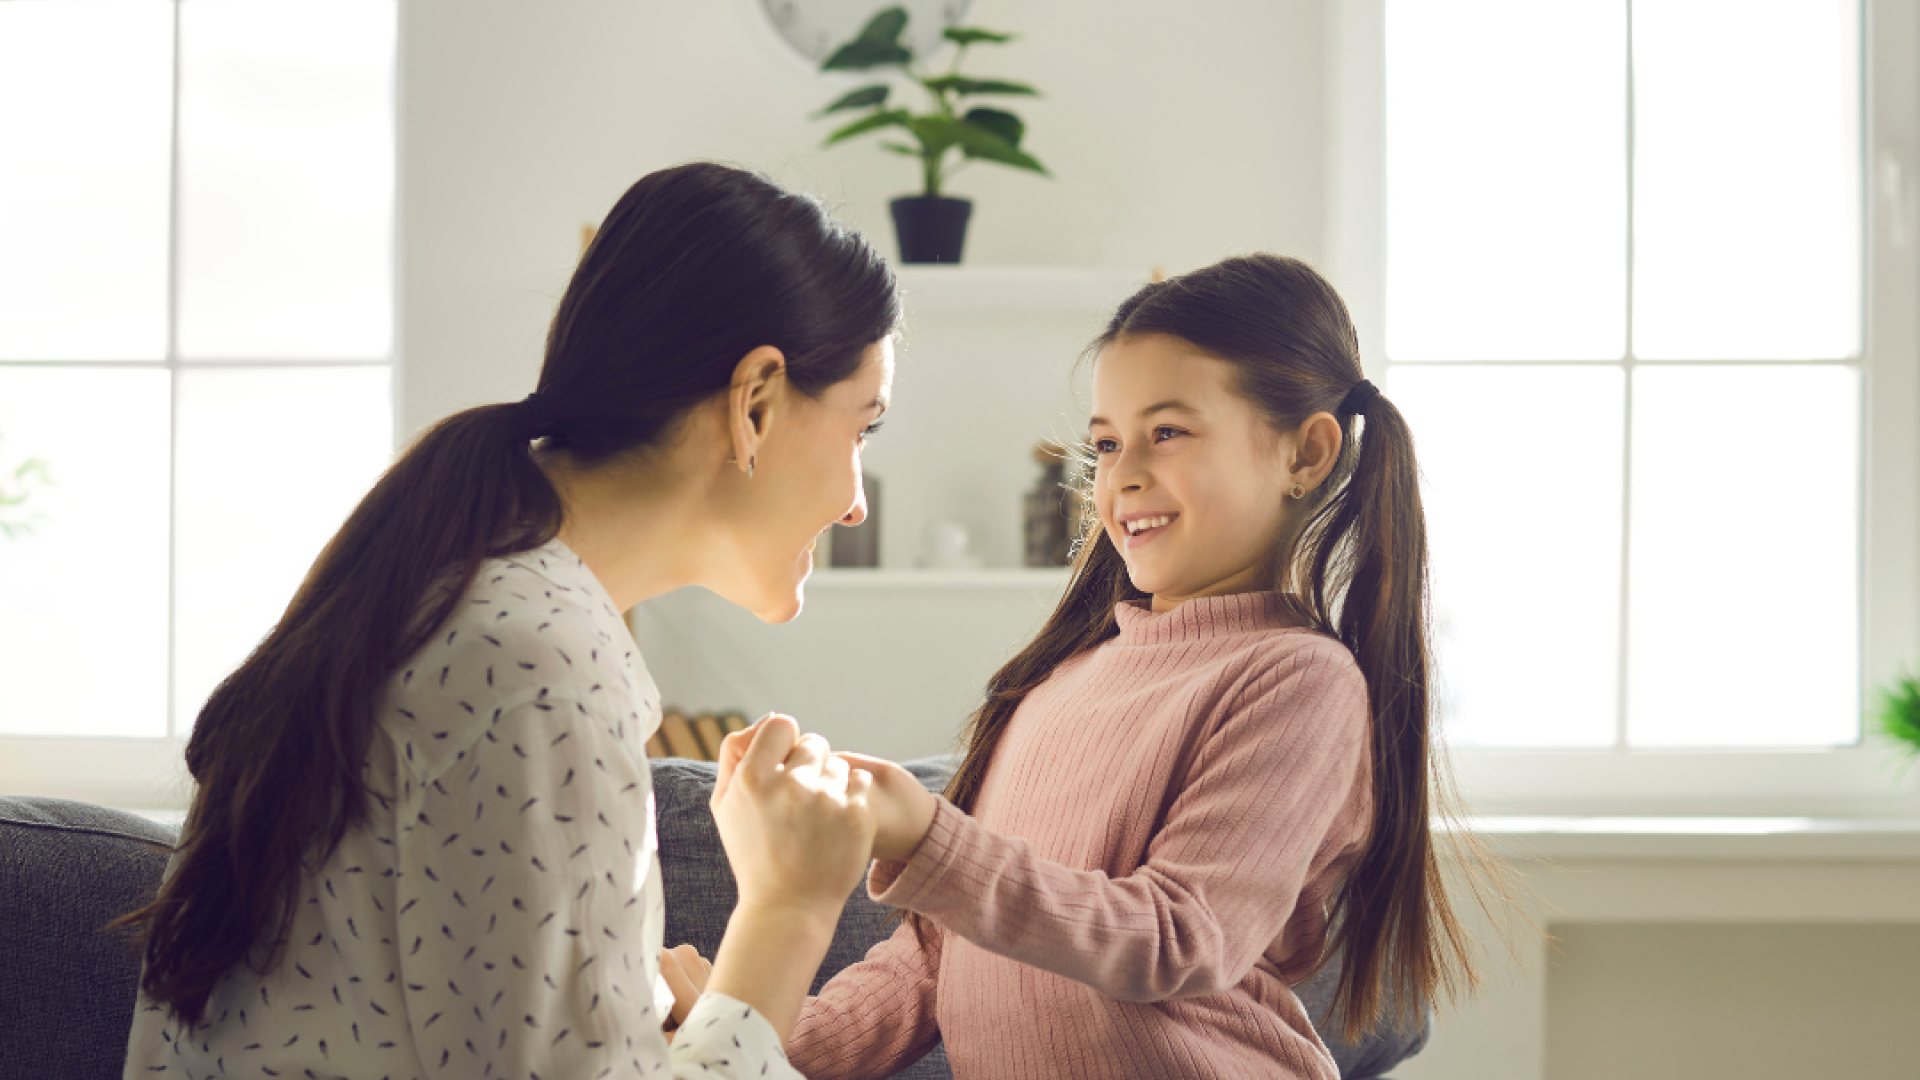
(1051, 509)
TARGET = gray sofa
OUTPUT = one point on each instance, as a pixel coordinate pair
(67, 989)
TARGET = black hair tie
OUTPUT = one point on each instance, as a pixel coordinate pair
(1355, 403)
(539, 416)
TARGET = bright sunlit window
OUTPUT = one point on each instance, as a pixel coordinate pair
(1624, 312)
(196, 336)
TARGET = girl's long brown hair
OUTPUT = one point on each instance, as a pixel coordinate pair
(1357, 571)
(693, 268)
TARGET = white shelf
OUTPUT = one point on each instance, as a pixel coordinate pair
(1047, 577)
(932, 290)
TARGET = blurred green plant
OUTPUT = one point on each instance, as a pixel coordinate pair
(18, 484)
(978, 134)
(1899, 712)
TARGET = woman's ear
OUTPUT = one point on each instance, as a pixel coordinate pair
(751, 402)
(1316, 448)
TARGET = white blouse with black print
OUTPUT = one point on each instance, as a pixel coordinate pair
(500, 915)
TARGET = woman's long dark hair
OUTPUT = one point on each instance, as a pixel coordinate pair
(1357, 570)
(695, 267)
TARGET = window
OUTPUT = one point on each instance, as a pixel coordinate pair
(1624, 308)
(1626, 280)
(196, 348)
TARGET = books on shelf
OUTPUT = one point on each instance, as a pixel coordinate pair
(697, 738)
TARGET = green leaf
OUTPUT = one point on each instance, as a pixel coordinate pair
(871, 122)
(963, 35)
(877, 44)
(857, 99)
(1900, 711)
(963, 85)
(1001, 123)
(884, 28)
(859, 56)
(937, 134)
(983, 145)
(899, 148)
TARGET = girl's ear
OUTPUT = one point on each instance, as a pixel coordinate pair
(751, 401)
(1316, 448)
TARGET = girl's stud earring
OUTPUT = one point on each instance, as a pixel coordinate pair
(750, 461)
(1299, 492)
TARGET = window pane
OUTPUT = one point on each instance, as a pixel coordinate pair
(1522, 478)
(1506, 179)
(86, 127)
(286, 144)
(1747, 179)
(83, 644)
(271, 463)
(1744, 577)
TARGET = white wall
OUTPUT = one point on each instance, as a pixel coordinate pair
(1174, 142)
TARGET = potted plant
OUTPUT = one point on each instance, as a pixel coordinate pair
(932, 225)
(17, 485)
(1900, 712)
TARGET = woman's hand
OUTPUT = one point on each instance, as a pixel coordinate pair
(903, 808)
(794, 819)
(795, 822)
(686, 972)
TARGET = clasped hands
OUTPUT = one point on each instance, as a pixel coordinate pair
(799, 823)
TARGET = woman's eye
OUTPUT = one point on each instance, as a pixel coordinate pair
(871, 430)
(1105, 446)
(1162, 434)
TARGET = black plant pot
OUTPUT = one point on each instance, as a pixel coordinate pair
(932, 228)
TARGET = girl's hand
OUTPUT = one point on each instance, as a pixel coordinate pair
(793, 818)
(686, 972)
(903, 808)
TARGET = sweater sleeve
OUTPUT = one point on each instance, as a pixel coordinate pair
(529, 872)
(1270, 790)
(874, 1018)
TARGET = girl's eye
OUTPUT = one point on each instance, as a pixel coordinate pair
(1105, 446)
(871, 430)
(1162, 434)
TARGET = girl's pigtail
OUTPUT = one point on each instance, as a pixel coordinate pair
(1399, 936)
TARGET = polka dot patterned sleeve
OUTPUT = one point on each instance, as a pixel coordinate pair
(531, 941)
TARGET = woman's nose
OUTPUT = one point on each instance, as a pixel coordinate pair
(859, 512)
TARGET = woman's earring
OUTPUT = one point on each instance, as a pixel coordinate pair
(750, 461)
(1299, 492)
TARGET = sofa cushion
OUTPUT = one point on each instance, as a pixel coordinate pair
(66, 986)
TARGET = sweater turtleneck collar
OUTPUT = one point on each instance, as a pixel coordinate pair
(1203, 617)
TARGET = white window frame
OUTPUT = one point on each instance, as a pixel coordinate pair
(1849, 781)
(150, 774)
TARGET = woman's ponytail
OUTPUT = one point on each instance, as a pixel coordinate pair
(278, 749)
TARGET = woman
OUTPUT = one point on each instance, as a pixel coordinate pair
(422, 837)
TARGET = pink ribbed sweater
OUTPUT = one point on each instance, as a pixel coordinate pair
(1145, 875)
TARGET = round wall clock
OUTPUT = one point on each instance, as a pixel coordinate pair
(815, 28)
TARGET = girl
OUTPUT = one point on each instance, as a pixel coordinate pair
(1215, 751)
(422, 841)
